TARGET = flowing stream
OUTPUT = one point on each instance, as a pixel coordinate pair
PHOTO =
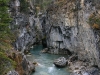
(45, 62)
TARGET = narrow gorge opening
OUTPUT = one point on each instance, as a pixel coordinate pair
(49, 37)
(44, 62)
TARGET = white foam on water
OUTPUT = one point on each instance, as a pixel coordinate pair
(50, 69)
(40, 65)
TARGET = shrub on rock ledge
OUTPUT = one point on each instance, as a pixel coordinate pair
(94, 21)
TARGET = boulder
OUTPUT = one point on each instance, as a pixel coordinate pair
(35, 63)
(60, 62)
(45, 50)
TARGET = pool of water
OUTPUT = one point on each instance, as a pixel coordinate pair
(45, 62)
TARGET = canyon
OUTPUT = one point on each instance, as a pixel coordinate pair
(62, 27)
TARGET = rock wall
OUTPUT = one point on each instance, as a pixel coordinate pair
(67, 27)
(25, 24)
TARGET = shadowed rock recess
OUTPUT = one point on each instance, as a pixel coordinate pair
(66, 27)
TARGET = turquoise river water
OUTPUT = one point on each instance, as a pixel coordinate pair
(45, 62)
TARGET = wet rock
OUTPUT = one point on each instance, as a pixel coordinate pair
(45, 50)
(35, 63)
(60, 62)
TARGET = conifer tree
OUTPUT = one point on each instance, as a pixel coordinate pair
(4, 15)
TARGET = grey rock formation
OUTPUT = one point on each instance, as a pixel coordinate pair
(45, 50)
(83, 68)
(60, 62)
(25, 25)
(90, 71)
(13, 72)
(68, 27)
(93, 71)
(28, 66)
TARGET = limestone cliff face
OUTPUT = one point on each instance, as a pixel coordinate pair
(24, 25)
(67, 27)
